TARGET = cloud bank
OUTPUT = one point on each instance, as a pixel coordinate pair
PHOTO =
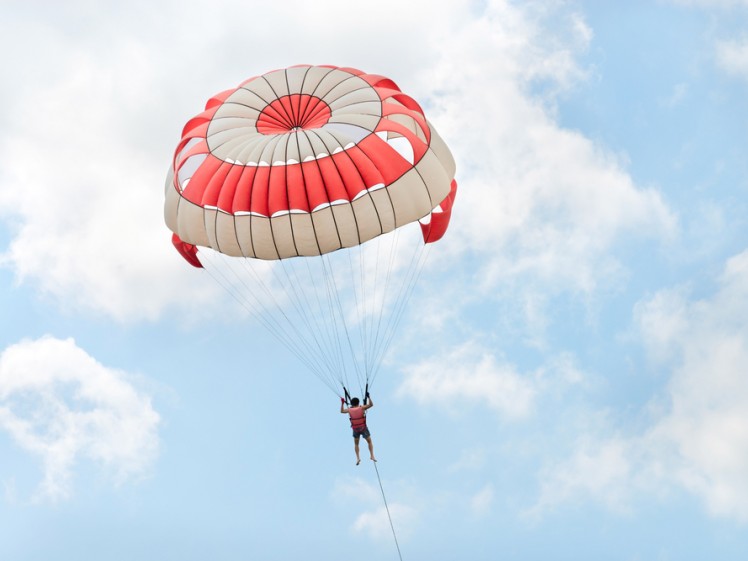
(89, 132)
(61, 405)
(541, 205)
(697, 440)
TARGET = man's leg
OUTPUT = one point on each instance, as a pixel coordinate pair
(371, 448)
(355, 447)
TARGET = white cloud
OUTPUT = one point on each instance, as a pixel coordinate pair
(712, 3)
(707, 425)
(473, 459)
(732, 56)
(540, 205)
(469, 374)
(597, 469)
(58, 403)
(374, 521)
(676, 97)
(88, 133)
(481, 502)
(358, 489)
(89, 125)
(84, 194)
(698, 437)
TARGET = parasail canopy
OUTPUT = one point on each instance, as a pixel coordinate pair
(302, 162)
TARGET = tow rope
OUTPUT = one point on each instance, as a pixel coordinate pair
(387, 508)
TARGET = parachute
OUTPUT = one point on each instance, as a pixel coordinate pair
(298, 191)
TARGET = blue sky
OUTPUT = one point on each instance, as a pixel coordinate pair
(570, 382)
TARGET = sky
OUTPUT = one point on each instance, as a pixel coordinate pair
(569, 382)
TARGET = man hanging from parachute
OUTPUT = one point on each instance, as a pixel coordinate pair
(357, 415)
(305, 168)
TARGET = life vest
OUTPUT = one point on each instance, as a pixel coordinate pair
(358, 418)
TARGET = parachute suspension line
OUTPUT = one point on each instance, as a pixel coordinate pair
(273, 327)
(335, 297)
(360, 301)
(260, 311)
(420, 258)
(377, 355)
(373, 305)
(331, 338)
(355, 305)
(323, 334)
(297, 340)
(364, 287)
(405, 293)
(319, 334)
(387, 508)
(375, 294)
(384, 298)
(335, 337)
(324, 310)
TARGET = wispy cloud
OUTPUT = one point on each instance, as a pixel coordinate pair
(469, 460)
(677, 95)
(469, 374)
(481, 502)
(721, 4)
(698, 436)
(600, 470)
(541, 206)
(732, 56)
(706, 427)
(374, 521)
(59, 404)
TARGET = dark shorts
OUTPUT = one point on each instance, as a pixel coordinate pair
(361, 432)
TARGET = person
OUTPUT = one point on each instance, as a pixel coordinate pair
(357, 414)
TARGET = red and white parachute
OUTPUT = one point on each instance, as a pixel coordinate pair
(291, 167)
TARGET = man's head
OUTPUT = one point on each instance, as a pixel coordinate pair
(354, 402)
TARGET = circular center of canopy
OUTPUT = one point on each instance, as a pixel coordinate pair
(253, 126)
(293, 112)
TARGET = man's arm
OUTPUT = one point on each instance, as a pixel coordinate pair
(343, 408)
(370, 404)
